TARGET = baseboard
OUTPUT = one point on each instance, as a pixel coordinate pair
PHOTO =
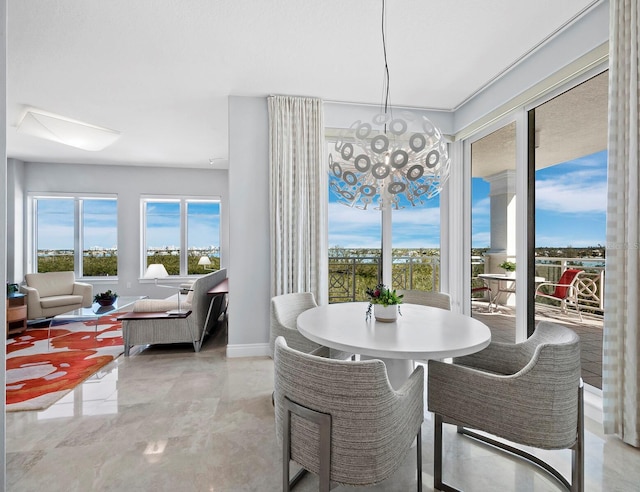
(248, 350)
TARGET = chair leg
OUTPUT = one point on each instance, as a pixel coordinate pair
(437, 453)
(419, 458)
(323, 420)
(577, 454)
(438, 484)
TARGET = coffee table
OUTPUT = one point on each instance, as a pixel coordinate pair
(92, 313)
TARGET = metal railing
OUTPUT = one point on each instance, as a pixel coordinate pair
(350, 276)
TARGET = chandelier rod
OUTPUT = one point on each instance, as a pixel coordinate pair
(386, 64)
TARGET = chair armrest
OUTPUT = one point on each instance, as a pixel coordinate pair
(497, 358)
(154, 305)
(408, 413)
(85, 290)
(34, 310)
(551, 284)
(514, 407)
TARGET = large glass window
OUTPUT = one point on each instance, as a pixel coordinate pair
(179, 231)
(76, 233)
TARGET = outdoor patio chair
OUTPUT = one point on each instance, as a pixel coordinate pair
(528, 393)
(342, 420)
(565, 290)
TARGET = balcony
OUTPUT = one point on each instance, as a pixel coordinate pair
(351, 274)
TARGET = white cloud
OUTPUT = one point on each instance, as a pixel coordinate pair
(571, 195)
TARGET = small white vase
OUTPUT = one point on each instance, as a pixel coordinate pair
(385, 314)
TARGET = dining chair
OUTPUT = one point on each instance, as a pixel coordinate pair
(342, 420)
(528, 393)
(426, 298)
(285, 310)
(565, 290)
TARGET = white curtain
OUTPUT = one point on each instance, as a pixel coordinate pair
(298, 197)
(621, 344)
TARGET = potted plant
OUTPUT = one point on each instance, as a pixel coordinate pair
(385, 302)
(509, 267)
(105, 298)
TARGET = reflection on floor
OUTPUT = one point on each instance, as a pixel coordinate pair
(167, 419)
(502, 323)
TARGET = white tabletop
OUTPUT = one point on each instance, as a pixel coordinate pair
(421, 332)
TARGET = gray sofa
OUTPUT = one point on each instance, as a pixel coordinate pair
(192, 329)
(53, 293)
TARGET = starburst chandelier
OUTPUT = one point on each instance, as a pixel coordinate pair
(395, 159)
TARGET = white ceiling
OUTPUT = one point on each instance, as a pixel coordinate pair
(160, 71)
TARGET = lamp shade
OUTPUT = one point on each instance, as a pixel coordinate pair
(156, 270)
(204, 261)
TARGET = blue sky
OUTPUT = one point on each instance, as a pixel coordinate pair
(570, 211)
(55, 224)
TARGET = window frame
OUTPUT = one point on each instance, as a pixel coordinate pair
(78, 225)
(184, 202)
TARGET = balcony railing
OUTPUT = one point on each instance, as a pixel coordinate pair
(350, 276)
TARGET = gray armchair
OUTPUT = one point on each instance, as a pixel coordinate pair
(362, 429)
(528, 393)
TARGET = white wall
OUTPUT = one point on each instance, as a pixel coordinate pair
(15, 221)
(578, 39)
(250, 258)
(129, 183)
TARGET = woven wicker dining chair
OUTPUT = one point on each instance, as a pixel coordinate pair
(342, 420)
(529, 393)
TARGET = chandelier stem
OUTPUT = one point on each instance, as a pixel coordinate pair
(387, 252)
(386, 64)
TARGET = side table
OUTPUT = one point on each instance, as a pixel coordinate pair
(16, 313)
(153, 336)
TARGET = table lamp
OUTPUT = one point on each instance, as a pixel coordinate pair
(205, 263)
(156, 271)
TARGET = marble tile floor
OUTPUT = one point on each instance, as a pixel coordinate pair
(167, 419)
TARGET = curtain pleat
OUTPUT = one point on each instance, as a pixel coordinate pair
(621, 347)
(298, 197)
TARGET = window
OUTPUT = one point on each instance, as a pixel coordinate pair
(76, 233)
(179, 231)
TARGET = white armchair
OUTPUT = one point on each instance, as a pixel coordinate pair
(53, 293)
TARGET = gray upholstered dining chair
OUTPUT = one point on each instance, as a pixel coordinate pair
(342, 420)
(426, 298)
(529, 393)
(284, 312)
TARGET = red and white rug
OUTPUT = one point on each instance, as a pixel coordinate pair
(40, 372)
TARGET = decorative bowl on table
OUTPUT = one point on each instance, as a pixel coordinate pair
(105, 298)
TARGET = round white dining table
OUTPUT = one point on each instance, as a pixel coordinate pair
(420, 333)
